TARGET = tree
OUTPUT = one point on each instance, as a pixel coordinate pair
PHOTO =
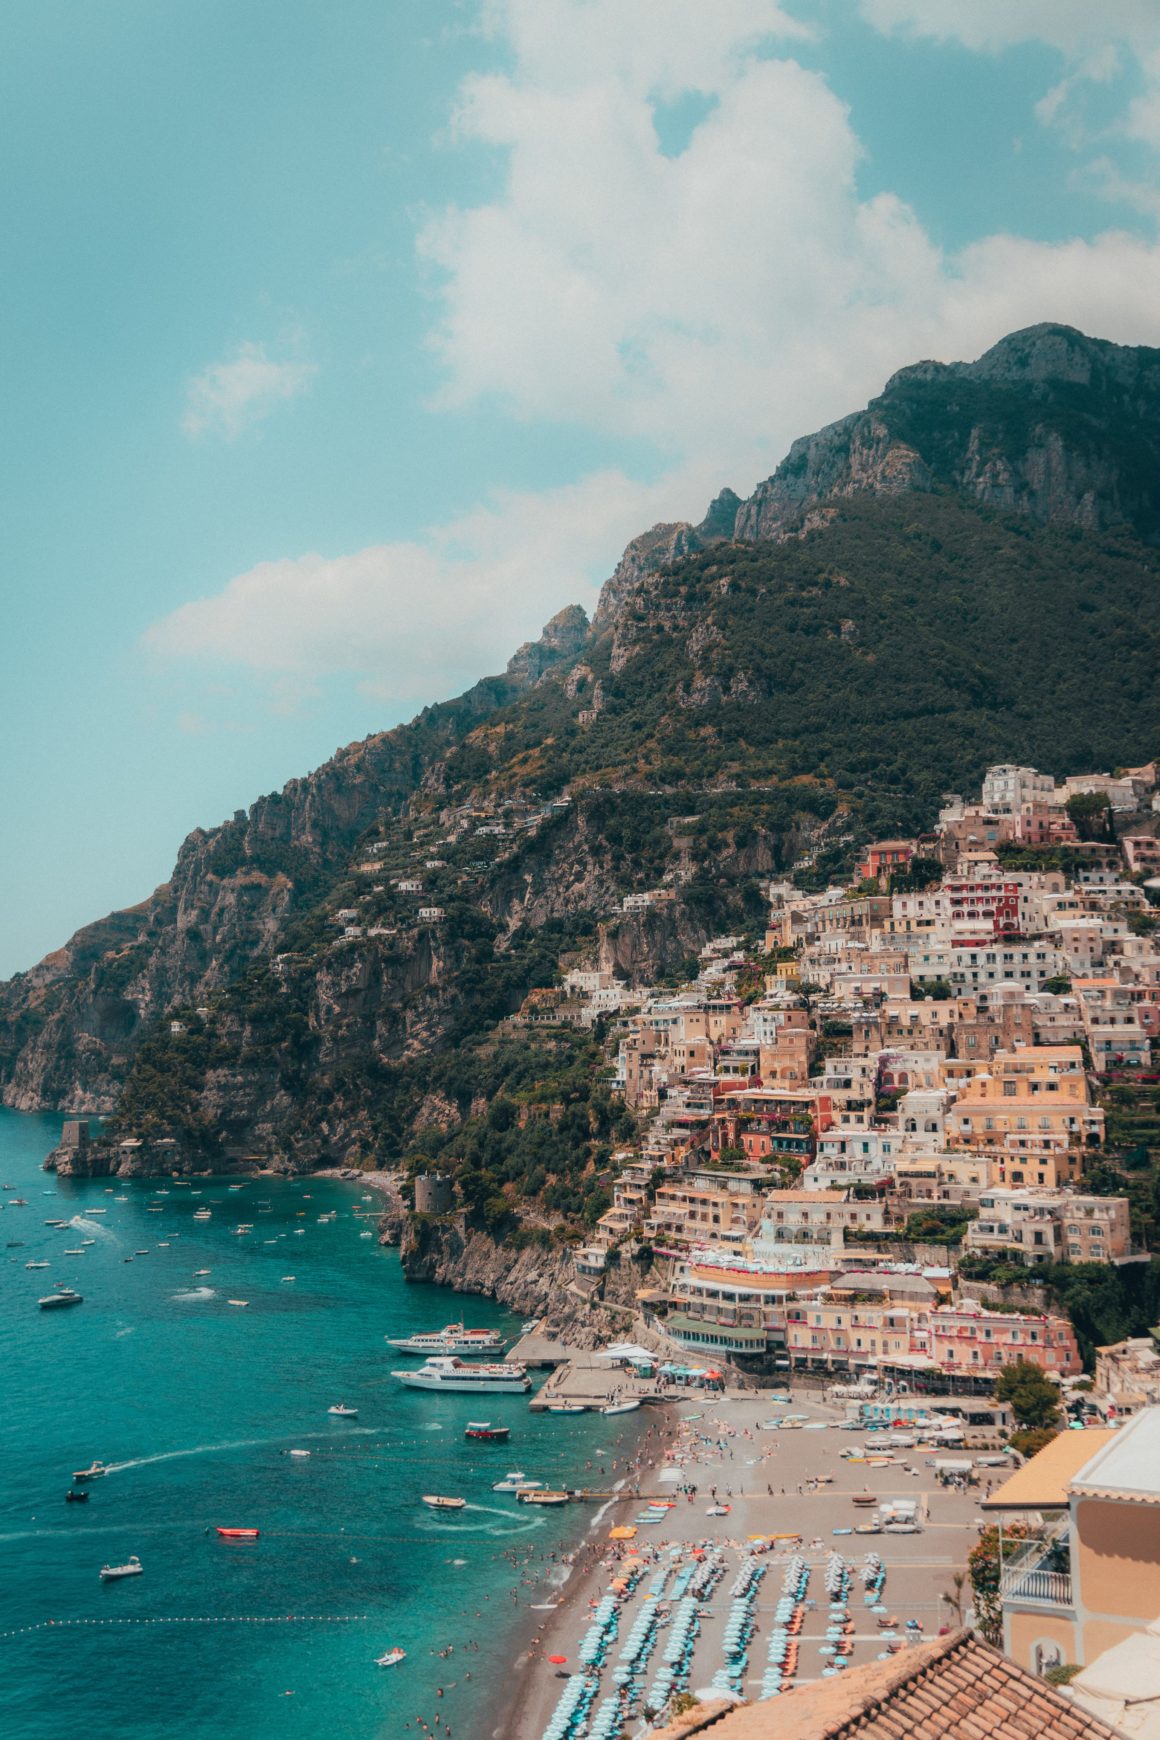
(1058, 984)
(1091, 811)
(984, 1571)
(1034, 1399)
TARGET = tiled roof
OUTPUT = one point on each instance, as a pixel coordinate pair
(953, 1688)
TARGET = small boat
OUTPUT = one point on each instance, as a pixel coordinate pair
(864, 1498)
(131, 1568)
(541, 1496)
(485, 1433)
(297, 1452)
(517, 1481)
(868, 1528)
(392, 1658)
(566, 1408)
(74, 1253)
(92, 1472)
(285, 1278)
(56, 1223)
(434, 1502)
(56, 1301)
(76, 1498)
(718, 1510)
(36, 1265)
(342, 1412)
(202, 1213)
(199, 1272)
(238, 1534)
(237, 1301)
(621, 1407)
(143, 1253)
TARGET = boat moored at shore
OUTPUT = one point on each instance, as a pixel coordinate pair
(452, 1373)
(454, 1338)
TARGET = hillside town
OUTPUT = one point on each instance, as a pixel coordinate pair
(850, 1133)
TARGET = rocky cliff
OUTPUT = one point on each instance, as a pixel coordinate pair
(775, 680)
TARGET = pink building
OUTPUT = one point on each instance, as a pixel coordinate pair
(967, 1338)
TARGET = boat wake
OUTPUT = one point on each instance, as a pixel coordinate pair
(237, 1444)
(93, 1229)
(509, 1523)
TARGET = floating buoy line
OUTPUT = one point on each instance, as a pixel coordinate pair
(185, 1619)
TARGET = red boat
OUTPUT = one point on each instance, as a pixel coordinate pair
(484, 1431)
(238, 1534)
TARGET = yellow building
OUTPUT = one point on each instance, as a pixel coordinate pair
(1090, 1576)
(1031, 1099)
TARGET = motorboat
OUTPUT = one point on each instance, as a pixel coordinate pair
(566, 1408)
(621, 1407)
(197, 1273)
(301, 1453)
(57, 1223)
(92, 1472)
(454, 1338)
(36, 1265)
(203, 1214)
(57, 1301)
(517, 1481)
(342, 1412)
(237, 1301)
(434, 1502)
(74, 1253)
(76, 1498)
(485, 1433)
(131, 1568)
(286, 1278)
(238, 1534)
(452, 1373)
(542, 1496)
(392, 1658)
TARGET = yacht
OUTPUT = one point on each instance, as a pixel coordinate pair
(131, 1568)
(453, 1339)
(516, 1481)
(449, 1373)
(57, 1301)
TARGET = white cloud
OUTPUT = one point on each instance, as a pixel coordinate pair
(711, 305)
(229, 397)
(1074, 27)
(411, 621)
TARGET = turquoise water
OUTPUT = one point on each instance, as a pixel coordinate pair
(194, 1402)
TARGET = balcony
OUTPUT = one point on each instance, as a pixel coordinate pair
(1038, 1572)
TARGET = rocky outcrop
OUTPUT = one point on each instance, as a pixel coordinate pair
(1048, 423)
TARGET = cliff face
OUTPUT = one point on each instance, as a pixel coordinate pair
(1048, 423)
(763, 682)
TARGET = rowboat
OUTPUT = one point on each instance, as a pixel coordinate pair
(864, 1498)
(238, 1534)
(436, 1503)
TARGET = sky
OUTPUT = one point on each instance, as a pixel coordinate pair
(342, 342)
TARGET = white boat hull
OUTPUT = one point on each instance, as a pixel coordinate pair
(478, 1386)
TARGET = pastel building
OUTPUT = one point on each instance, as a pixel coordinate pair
(1089, 1576)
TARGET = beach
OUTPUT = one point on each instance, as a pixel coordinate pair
(771, 1481)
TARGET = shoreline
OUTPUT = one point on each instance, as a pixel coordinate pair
(520, 1712)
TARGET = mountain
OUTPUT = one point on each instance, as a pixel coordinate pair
(964, 572)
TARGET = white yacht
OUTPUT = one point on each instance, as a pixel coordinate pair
(453, 1339)
(516, 1481)
(449, 1373)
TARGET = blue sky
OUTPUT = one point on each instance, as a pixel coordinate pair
(343, 344)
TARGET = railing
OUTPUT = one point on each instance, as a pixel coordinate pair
(1050, 1588)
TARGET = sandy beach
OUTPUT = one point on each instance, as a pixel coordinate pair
(715, 1452)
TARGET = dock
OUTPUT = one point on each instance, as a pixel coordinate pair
(593, 1383)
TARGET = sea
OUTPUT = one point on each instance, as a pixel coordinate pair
(194, 1403)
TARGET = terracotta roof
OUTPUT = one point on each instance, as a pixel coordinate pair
(953, 1688)
(1044, 1482)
